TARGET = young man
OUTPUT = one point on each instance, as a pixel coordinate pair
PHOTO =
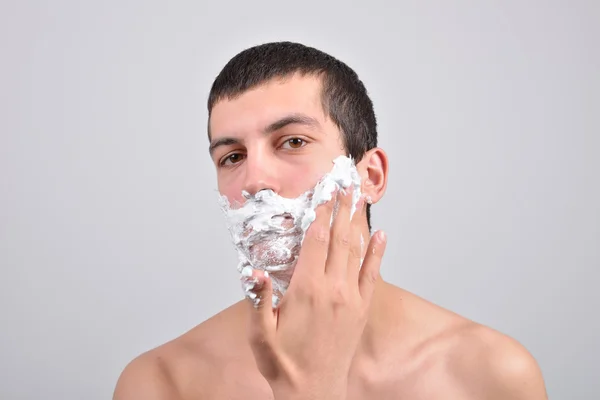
(279, 114)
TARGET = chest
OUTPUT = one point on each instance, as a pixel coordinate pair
(432, 383)
(428, 382)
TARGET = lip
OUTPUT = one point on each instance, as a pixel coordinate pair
(285, 221)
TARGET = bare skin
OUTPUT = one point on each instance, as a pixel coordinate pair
(341, 331)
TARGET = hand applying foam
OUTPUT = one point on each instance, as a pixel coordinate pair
(304, 348)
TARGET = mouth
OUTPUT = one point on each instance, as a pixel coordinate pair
(282, 224)
(285, 220)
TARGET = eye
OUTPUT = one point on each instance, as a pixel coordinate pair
(233, 158)
(294, 143)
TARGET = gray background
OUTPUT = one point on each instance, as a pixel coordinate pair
(111, 241)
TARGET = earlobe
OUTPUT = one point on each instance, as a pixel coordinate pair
(374, 172)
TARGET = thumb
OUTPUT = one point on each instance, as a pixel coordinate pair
(258, 289)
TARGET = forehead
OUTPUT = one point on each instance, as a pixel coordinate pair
(259, 106)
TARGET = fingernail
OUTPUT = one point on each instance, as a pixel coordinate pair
(266, 274)
(382, 236)
(249, 283)
(247, 271)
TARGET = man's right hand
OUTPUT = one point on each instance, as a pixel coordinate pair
(304, 348)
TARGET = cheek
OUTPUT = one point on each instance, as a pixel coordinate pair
(234, 197)
(232, 190)
(299, 180)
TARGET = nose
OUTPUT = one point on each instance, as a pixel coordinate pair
(260, 174)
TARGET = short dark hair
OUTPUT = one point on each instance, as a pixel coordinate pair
(344, 96)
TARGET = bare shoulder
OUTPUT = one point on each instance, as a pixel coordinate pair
(146, 377)
(492, 365)
(479, 362)
(184, 367)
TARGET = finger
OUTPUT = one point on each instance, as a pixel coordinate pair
(369, 272)
(357, 243)
(263, 320)
(258, 289)
(339, 246)
(313, 253)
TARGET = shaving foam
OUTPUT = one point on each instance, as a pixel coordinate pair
(267, 230)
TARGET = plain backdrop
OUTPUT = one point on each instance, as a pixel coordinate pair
(111, 240)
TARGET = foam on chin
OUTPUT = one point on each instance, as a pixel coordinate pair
(268, 230)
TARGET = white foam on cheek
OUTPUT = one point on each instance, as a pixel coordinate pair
(268, 230)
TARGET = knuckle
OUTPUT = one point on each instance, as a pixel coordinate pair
(340, 294)
(355, 253)
(342, 240)
(314, 299)
(306, 289)
(308, 295)
(372, 276)
(321, 234)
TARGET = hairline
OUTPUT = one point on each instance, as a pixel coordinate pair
(320, 74)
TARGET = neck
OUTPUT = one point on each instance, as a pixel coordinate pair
(380, 322)
(382, 318)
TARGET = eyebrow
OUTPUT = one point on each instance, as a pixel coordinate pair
(297, 119)
(226, 141)
(291, 119)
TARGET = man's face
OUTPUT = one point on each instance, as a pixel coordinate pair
(276, 136)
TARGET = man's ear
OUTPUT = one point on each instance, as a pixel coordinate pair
(373, 170)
